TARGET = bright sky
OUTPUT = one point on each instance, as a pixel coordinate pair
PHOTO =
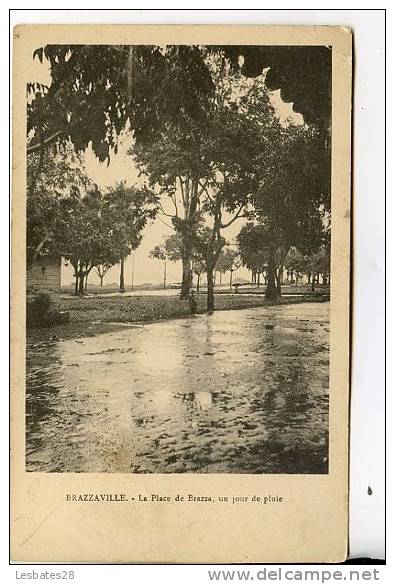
(122, 168)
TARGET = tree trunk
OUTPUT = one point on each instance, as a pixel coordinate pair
(76, 281)
(258, 279)
(230, 279)
(101, 280)
(279, 283)
(198, 283)
(313, 282)
(220, 278)
(210, 290)
(122, 276)
(271, 292)
(164, 275)
(186, 275)
(187, 236)
(81, 284)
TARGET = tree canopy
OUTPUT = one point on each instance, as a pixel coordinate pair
(96, 91)
(205, 134)
(58, 175)
(253, 243)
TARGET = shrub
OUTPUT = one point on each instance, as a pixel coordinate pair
(42, 311)
(38, 310)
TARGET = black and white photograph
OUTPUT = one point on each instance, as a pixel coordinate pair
(178, 259)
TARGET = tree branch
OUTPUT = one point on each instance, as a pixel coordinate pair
(224, 225)
(164, 213)
(174, 200)
(167, 225)
(187, 198)
(205, 190)
(182, 192)
(49, 140)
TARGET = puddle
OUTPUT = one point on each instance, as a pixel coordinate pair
(241, 391)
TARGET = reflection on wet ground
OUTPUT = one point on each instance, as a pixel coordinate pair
(241, 391)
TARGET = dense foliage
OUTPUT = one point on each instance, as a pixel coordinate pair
(209, 141)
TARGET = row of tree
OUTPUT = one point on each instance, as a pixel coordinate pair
(250, 252)
(171, 250)
(68, 216)
(207, 139)
(242, 162)
(254, 245)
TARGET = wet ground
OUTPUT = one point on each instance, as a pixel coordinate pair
(241, 391)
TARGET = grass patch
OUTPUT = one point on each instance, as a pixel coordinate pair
(92, 315)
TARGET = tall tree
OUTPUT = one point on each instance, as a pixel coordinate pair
(207, 172)
(245, 136)
(176, 169)
(128, 210)
(292, 201)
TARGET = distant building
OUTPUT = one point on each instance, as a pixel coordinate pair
(44, 275)
(43, 304)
